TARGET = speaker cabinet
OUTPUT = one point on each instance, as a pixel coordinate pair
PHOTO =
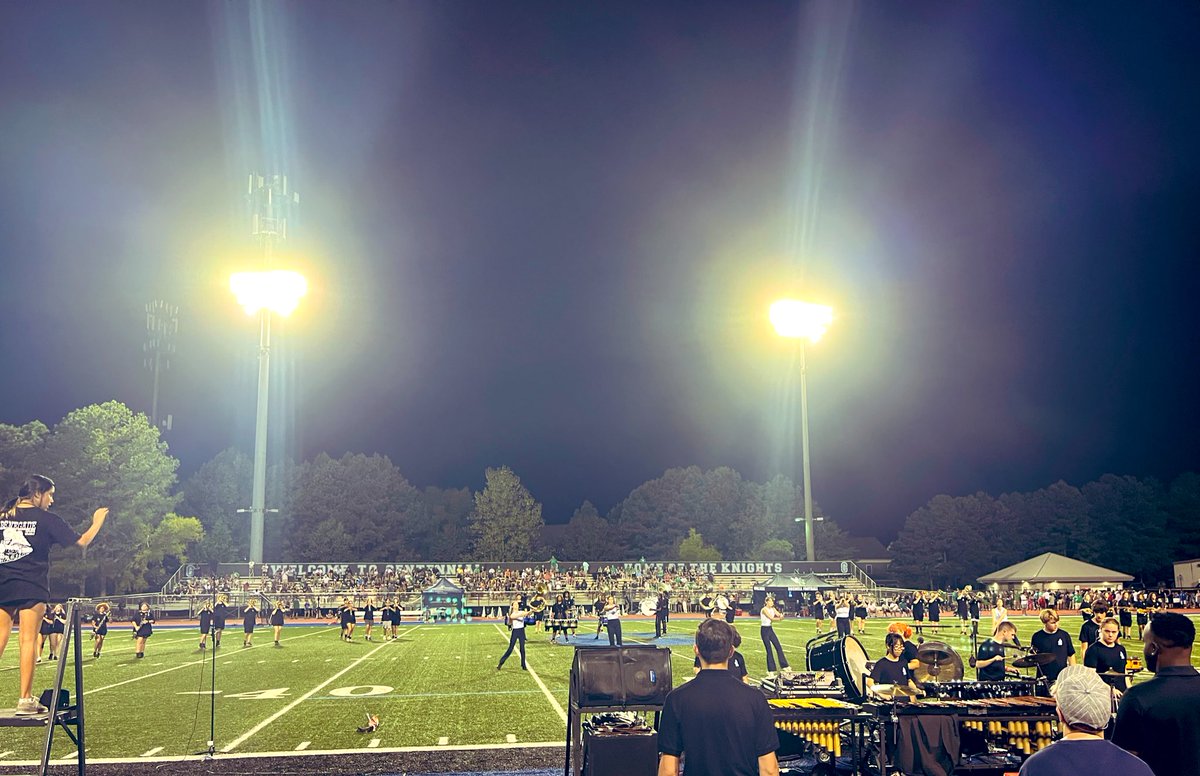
(620, 755)
(621, 676)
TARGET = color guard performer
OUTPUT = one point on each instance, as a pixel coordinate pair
(206, 623)
(277, 621)
(516, 620)
(99, 628)
(249, 620)
(767, 618)
(369, 618)
(143, 628)
(220, 615)
(842, 619)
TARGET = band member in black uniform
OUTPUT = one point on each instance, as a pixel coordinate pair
(662, 608)
(516, 621)
(220, 615)
(369, 618)
(249, 620)
(277, 621)
(46, 632)
(598, 610)
(934, 607)
(989, 661)
(1052, 639)
(909, 656)
(1107, 656)
(860, 614)
(143, 628)
(1089, 632)
(830, 608)
(818, 612)
(397, 616)
(385, 618)
(973, 611)
(919, 611)
(558, 613)
(1142, 609)
(347, 618)
(737, 663)
(1125, 613)
(612, 621)
(99, 628)
(730, 610)
(206, 623)
(964, 610)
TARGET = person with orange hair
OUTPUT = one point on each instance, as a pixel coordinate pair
(909, 655)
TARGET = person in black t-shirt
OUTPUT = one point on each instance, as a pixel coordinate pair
(277, 621)
(973, 610)
(45, 632)
(1089, 633)
(909, 655)
(818, 612)
(369, 618)
(220, 615)
(989, 661)
(1159, 720)
(890, 669)
(249, 620)
(99, 628)
(143, 628)
(918, 611)
(715, 724)
(964, 609)
(27, 531)
(347, 618)
(1107, 656)
(935, 609)
(1053, 640)
(737, 663)
(206, 623)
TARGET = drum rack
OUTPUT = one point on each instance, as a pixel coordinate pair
(817, 727)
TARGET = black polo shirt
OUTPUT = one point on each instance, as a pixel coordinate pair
(1104, 658)
(1159, 721)
(1058, 644)
(719, 725)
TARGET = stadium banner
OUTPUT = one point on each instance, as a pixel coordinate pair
(634, 568)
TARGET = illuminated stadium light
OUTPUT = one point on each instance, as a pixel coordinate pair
(800, 320)
(278, 291)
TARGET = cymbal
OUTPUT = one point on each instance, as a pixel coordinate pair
(1117, 673)
(933, 655)
(1037, 659)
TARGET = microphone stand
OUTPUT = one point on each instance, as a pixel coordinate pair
(211, 751)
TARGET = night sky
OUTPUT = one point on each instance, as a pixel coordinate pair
(545, 235)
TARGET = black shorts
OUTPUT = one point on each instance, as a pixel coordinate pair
(102, 630)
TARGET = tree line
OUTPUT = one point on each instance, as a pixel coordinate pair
(362, 507)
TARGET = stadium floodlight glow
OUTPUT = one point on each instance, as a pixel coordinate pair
(278, 291)
(803, 321)
(800, 320)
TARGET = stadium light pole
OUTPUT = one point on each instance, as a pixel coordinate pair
(263, 293)
(806, 323)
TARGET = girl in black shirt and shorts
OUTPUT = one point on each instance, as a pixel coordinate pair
(27, 531)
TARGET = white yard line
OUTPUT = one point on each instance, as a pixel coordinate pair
(374, 743)
(510, 738)
(303, 745)
(443, 741)
(178, 667)
(6, 754)
(545, 690)
(152, 752)
(261, 725)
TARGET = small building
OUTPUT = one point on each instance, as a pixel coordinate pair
(1051, 571)
(445, 602)
(1187, 573)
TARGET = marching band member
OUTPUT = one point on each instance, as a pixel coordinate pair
(1089, 632)
(45, 632)
(385, 618)
(1125, 613)
(249, 620)
(220, 614)
(99, 628)
(891, 669)
(612, 621)
(397, 615)
(369, 618)
(909, 656)
(1107, 655)
(516, 620)
(662, 610)
(818, 612)
(598, 610)
(918, 611)
(206, 623)
(860, 614)
(989, 661)
(1053, 640)
(964, 609)
(767, 617)
(558, 613)
(143, 628)
(277, 621)
(1143, 614)
(934, 607)
(973, 609)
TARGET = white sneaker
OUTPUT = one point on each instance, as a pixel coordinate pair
(28, 707)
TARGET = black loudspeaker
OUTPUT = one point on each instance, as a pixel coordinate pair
(620, 755)
(621, 676)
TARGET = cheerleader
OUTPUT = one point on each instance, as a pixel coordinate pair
(206, 623)
(45, 631)
(220, 615)
(143, 628)
(249, 620)
(277, 621)
(347, 619)
(369, 618)
(99, 629)
(385, 618)
(397, 614)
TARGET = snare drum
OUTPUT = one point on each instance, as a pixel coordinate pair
(848, 661)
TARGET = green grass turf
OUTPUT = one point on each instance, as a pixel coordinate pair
(436, 686)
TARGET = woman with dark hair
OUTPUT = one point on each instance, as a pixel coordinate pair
(143, 628)
(277, 620)
(45, 632)
(27, 531)
(58, 627)
(249, 620)
(99, 628)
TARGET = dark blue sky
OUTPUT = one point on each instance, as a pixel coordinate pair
(545, 235)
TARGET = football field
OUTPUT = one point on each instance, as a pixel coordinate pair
(436, 686)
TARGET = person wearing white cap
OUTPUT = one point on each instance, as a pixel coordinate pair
(1085, 706)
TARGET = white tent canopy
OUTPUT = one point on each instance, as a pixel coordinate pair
(1050, 571)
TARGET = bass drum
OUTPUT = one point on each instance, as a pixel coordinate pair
(648, 605)
(847, 659)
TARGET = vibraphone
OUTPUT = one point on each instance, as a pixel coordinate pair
(971, 691)
(996, 732)
(818, 727)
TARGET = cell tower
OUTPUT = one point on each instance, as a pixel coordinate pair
(162, 325)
